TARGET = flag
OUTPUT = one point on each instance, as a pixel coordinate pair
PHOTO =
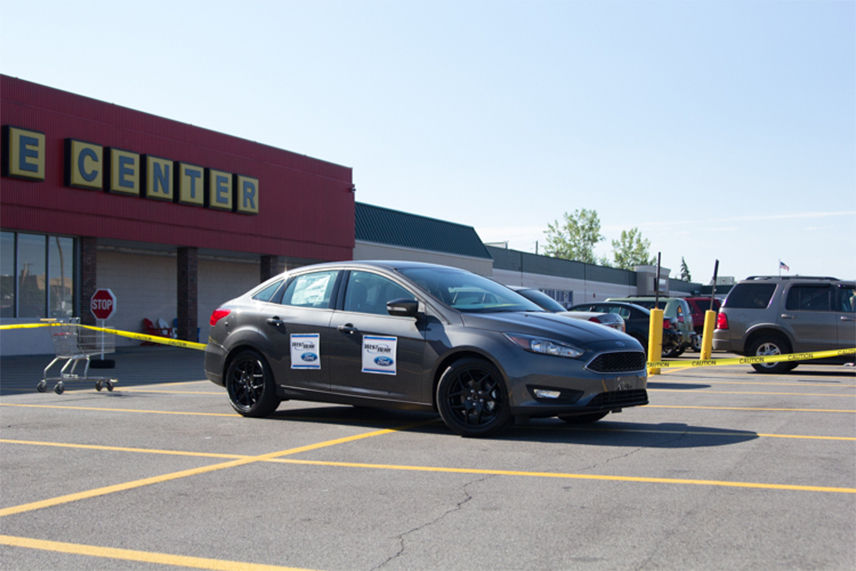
(784, 266)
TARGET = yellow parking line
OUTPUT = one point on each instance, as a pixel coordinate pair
(753, 408)
(170, 392)
(105, 448)
(709, 392)
(67, 498)
(703, 381)
(105, 409)
(560, 475)
(134, 555)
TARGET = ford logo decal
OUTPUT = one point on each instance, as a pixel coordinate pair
(309, 357)
(383, 361)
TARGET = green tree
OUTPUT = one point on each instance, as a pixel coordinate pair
(685, 271)
(575, 237)
(631, 250)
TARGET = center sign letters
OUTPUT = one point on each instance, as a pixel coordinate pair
(90, 166)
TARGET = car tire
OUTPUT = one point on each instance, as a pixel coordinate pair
(771, 345)
(673, 352)
(472, 399)
(586, 418)
(696, 344)
(249, 382)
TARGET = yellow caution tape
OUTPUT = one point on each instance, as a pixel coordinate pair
(752, 360)
(652, 364)
(128, 334)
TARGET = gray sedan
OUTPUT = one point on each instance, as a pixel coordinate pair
(421, 336)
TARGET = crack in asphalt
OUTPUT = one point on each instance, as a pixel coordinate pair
(457, 507)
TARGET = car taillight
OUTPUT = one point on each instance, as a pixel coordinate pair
(595, 319)
(721, 321)
(218, 315)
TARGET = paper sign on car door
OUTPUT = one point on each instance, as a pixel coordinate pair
(379, 354)
(305, 351)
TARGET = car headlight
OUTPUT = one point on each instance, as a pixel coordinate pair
(544, 345)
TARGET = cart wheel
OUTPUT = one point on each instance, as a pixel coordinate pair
(42, 386)
(109, 385)
(98, 385)
(59, 388)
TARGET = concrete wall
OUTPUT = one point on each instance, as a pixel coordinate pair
(583, 290)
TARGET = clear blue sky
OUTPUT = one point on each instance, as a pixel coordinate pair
(721, 129)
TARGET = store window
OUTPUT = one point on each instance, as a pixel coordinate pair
(61, 273)
(7, 274)
(36, 275)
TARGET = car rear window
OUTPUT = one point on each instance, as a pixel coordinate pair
(750, 296)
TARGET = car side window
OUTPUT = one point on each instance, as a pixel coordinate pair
(311, 290)
(267, 294)
(847, 299)
(368, 293)
(809, 298)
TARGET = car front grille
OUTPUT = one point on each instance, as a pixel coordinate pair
(619, 399)
(618, 362)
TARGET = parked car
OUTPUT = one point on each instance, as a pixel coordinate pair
(636, 320)
(698, 307)
(674, 308)
(419, 336)
(549, 304)
(772, 315)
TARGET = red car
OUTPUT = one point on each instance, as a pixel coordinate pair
(698, 305)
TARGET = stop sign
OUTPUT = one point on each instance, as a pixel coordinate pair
(103, 303)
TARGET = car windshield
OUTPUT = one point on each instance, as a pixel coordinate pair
(468, 292)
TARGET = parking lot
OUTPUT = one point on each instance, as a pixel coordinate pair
(725, 468)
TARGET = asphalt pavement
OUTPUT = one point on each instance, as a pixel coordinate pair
(132, 366)
(725, 469)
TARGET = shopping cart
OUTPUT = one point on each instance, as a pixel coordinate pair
(76, 344)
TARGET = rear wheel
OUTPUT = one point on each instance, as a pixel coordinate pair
(250, 385)
(767, 346)
(471, 398)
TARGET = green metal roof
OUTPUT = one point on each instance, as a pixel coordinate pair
(385, 226)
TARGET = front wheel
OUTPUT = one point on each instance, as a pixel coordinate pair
(250, 385)
(471, 398)
(768, 346)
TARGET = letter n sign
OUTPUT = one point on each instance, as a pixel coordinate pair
(246, 194)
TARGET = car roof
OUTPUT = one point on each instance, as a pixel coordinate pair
(377, 264)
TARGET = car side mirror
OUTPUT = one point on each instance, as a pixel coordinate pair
(402, 307)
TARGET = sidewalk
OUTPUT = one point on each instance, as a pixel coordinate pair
(134, 366)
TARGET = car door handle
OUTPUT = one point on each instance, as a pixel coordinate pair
(787, 316)
(276, 322)
(347, 328)
(845, 318)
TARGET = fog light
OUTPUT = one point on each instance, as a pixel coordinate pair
(547, 394)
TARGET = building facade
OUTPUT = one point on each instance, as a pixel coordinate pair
(171, 218)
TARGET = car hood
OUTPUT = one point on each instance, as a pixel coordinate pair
(551, 325)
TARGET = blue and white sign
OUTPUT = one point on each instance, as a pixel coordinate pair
(305, 351)
(379, 354)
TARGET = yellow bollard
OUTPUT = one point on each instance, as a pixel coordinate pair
(655, 339)
(707, 334)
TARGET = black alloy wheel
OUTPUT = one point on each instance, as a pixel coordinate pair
(472, 399)
(250, 385)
